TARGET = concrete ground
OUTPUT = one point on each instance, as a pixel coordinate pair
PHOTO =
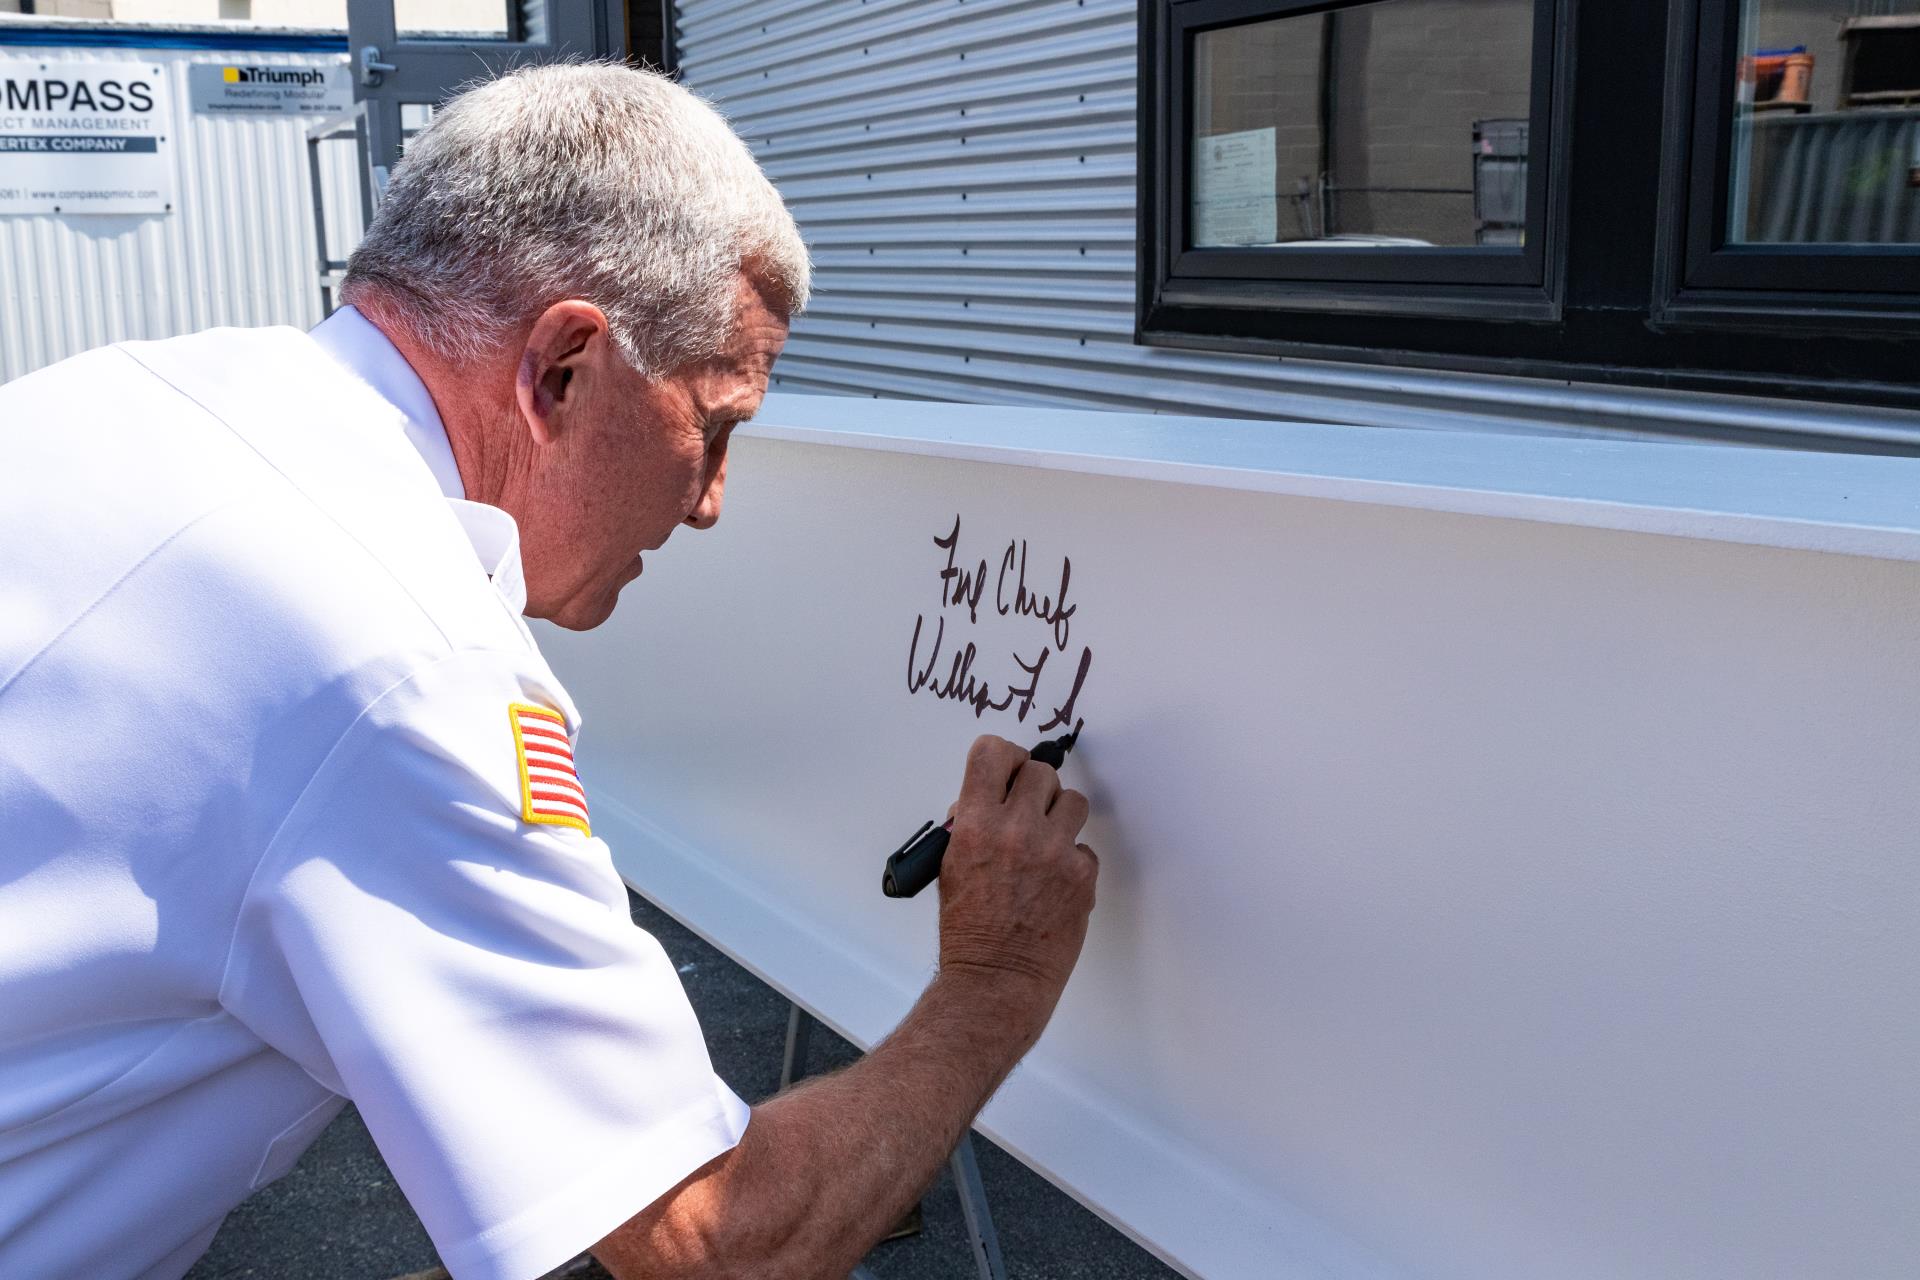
(339, 1215)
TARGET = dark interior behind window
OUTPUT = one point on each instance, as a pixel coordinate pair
(1709, 194)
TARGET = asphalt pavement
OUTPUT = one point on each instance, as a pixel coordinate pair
(339, 1215)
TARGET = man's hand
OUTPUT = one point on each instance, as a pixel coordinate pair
(1015, 888)
(826, 1168)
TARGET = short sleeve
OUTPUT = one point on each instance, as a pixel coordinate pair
(523, 1054)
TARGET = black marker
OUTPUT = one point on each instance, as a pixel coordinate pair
(916, 864)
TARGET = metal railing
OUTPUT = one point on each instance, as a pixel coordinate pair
(371, 181)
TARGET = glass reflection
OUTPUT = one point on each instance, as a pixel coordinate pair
(1398, 124)
(1827, 123)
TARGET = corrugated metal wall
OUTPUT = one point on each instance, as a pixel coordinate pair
(238, 248)
(964, 170)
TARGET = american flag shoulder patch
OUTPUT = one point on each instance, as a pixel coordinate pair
(550, 790)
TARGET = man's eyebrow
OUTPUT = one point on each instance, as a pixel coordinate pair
(735, 409)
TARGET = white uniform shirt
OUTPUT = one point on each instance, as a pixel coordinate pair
(268, 838)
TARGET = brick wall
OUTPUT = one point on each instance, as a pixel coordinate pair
(1410, 81)
(1267, 75)
(1410, 78)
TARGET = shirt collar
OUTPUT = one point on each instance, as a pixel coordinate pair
(496, 540)
(357, 344)
(354, 341)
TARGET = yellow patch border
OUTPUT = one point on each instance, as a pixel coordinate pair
(527, 812)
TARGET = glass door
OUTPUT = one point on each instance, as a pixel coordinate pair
(411, 55)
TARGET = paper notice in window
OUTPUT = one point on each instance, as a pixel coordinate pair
(1233, 189)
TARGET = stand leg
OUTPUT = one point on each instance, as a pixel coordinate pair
(973, 1206)
(981, 1236)
(793, 1064)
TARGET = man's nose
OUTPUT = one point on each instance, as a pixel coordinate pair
(706, 512)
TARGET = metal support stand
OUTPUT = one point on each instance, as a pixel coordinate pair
(793, 1063)
(973, 1207)
(981, 1236)
(351, 124)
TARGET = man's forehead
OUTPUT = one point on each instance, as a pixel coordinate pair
(758, 336)
(758, 339)
(755, 300)
(759, 325)
(737, 380)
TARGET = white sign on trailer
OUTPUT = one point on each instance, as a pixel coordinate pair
(239, 88)
(83, 137)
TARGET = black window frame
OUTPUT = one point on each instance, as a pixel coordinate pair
(1708, 280)
(1638, 285)
(1439, 281)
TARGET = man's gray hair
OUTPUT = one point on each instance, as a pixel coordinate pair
(579, 180)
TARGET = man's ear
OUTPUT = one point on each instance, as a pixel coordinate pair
(565, 350)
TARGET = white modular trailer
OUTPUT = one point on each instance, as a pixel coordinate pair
(237, 247)
(965, 173)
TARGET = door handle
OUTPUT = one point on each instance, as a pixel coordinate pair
(371, 67)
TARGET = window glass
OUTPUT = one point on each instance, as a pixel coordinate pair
(414, 116)
(1397, 124)
(462, 19)
(276, 13)
(1826, 135)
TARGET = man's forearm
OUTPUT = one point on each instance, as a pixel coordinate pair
(828, 1167)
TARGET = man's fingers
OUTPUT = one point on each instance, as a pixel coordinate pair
(1035, 786)
(1069, 811)
(990, 765)
(1093, 863)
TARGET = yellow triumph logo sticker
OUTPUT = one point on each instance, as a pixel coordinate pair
(230, 74)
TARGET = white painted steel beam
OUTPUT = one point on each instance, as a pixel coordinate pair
(1507, 844)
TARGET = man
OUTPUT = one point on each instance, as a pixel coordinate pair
(291, 813)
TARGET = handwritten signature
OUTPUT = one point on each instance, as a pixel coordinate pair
(966, 586)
